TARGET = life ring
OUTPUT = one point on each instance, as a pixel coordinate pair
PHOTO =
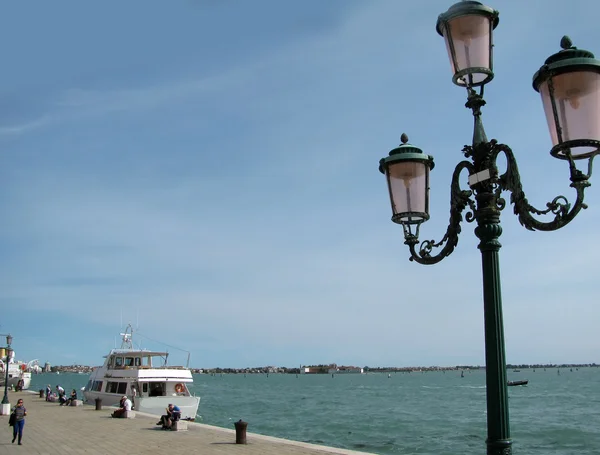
(179, 388)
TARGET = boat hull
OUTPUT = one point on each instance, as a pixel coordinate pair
(151, 405)
(158, 405)
(14, 374)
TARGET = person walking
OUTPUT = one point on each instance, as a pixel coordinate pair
(20, 413)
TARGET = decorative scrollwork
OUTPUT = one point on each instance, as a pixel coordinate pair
(459, 200)
(484, 201)
(560, 207)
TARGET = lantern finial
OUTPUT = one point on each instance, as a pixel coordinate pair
(404, 138)
(566, 43)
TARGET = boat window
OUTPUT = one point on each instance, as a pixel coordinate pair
(122, 388)
(97, 386)
(157, 389)
(118, 361)
(138, 361)
(128, 361)
(110, 362)
(111, 387)
(145, 387)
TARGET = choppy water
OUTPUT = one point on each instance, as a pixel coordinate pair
(408, 413)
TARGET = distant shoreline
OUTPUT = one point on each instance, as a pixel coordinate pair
(84, 369)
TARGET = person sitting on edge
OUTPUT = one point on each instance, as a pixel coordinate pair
(125, 406)
(173, 414)
(72, 398)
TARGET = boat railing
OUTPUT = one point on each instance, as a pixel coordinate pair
(147, 367)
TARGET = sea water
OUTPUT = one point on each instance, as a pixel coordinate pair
(429, 412)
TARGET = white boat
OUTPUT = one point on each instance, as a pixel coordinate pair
(17, 370)
(136, 373)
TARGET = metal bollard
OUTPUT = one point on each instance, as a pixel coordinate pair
(240, 432)
(98, 404)
(41, 393)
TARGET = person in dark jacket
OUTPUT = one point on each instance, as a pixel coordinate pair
(72, 398)
(20, 413)
(173, 414)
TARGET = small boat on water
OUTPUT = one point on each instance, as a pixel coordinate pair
(135, 373)
(522, 382)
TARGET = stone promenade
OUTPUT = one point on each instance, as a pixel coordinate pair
(51, 429)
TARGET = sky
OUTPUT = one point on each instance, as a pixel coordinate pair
(208, 172)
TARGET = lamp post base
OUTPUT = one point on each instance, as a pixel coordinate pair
(5, 409)
(499, 447)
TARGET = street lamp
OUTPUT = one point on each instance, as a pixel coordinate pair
(569, 84)
(8, 343)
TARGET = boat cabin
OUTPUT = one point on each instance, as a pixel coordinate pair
(128, 361)
(139, 387)
(127, 372)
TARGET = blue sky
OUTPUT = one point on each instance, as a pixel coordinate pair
(208, 170)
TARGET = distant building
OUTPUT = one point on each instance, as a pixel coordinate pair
(311, 370)
(346, 370)
(330, 369)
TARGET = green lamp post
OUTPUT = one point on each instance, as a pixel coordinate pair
(569, 84)
(8, 343)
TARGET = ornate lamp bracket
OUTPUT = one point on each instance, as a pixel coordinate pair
(459, 200)
(564, 212)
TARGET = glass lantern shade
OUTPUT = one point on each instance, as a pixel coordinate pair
(576, 100)
(9, 339)
(408, 184)
(406, 170)
(569, 84)
(467, 30)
